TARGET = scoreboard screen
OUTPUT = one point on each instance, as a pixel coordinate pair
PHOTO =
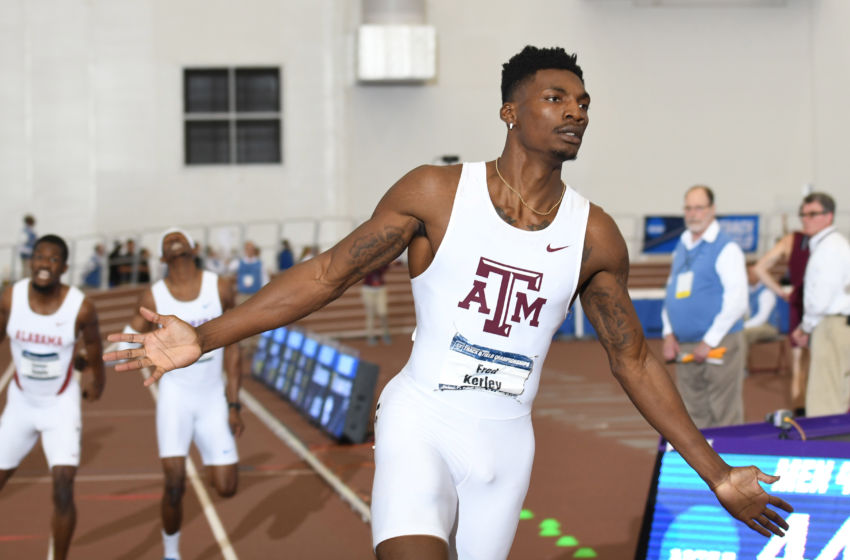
(338, 397)
(259, 360)
(684, 520)
(303, 370)
(314, 393)
(325, 381)
(289, 355)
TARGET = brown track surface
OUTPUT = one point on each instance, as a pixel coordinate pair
(591, 475)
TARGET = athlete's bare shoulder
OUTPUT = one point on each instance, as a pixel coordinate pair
(424, 192)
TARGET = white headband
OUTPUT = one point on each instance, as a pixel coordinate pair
(182, 232)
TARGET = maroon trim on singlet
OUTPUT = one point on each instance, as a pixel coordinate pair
(67, 377)
(18, 381)
(796, 272)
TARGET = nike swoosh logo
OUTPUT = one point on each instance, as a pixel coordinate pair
(553, 249)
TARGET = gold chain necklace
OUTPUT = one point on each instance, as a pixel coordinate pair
(524, 203)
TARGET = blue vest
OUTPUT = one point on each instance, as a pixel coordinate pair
(92, 279)
(692, 316)
(249, 277)
(773, 318)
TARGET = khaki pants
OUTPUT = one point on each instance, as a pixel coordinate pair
(375, 304)
(828, 389)
(713, 394)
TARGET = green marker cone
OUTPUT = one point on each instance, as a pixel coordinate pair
(585, 552)
(550, 528)
(567, 540)
(526, 514)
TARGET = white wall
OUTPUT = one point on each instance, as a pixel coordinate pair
(747, 100)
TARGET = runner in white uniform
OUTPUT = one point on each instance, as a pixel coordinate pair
(43, 318)
(496, 252)
(194, 404)
(486, 310)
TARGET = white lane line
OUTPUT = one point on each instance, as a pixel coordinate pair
(206, 504)
(343, 490)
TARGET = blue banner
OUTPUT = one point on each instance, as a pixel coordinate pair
(661, 233)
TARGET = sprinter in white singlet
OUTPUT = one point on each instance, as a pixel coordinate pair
(497, 252)
(194, 404)
(43, 319)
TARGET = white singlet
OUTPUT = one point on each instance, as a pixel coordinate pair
(456, 421)
(192, 403)
(44, 398)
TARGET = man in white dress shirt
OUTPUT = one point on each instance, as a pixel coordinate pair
(826, 309)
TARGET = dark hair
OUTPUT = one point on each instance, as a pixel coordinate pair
(707, 190)
(54, 240)
(823, 199)
(523, 65)
(29, 220)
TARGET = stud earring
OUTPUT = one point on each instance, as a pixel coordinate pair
(510, 126)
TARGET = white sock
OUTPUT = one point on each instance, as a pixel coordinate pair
(171, 544)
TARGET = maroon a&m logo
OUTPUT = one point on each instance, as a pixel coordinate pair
(512, 305)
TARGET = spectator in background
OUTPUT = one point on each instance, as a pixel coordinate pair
(763, 320)
(703, 310)
(93, 272)
(143, 271)
(793, 248)
(26, 244)
(826, 309)
(374, 294)
(114, 261)
(285, 258)
(250, 274)
(129, 262)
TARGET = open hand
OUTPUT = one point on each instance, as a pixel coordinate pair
(743, 497)
(173, 346)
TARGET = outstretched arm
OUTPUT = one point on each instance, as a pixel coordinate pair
(606, 302)
(291, 295)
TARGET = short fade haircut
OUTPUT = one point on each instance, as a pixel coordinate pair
(527, 62)
(826, 201)
(706, 189)
(54, 240)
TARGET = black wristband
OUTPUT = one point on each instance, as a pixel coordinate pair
(236, 405)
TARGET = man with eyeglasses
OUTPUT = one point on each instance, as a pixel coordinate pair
(826, 309)
(707, 298)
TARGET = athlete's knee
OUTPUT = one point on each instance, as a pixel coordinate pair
(63, 489)
(225, 481)
(174, 489)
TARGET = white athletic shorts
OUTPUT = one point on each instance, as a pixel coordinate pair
(184, 415)
(442, 472)
(57, 419)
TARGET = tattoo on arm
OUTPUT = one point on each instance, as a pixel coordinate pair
(606, 301)
(377, 249)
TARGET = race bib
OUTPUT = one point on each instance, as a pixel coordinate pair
(684, 284)
(469, 366)
(41, 367)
